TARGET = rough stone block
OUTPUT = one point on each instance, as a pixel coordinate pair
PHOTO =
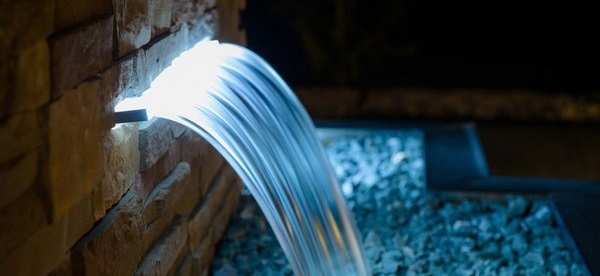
(65, 268)
(204, 158)
(81, 54)
(204, 253)
(162, 258)
(48, 244)
(24, 23)
(148, 179)
(32, 83)
(20, 134)
(167, 193)
(114, 245)
(203, 28)
(7, 69)
(78, 123)
(200, 222)
(132, 81)
(161, 52)
(121, 164)
(15, 229)
(187, 11)
(185, 269)
(17, 177)
(156, 136)
(161, 16)
(134, 27)
(72, 13)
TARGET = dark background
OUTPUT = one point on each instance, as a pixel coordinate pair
(440, 44)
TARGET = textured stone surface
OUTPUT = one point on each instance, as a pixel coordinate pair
(155, 138)
(167, 193)
(162, 258)
(185, 269)
(7, 69)
(122, 161)
(78, 124)
(73, 13)
(161, 52)
(161, 16)
(149, 178)
(134, 27)
(113, 246)
(17, 177)
(184, 11)
(203, 28)
(48, 244)
(32, 83)
(15, 230)
(71, 54)
(204, 158)
(20, 134)
(24, 23)
(206, 214)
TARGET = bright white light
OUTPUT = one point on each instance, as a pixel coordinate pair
(186, 75)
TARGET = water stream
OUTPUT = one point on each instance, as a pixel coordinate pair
(236, 101)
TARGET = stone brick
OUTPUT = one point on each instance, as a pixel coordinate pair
(15, 229)
(72, 13)
(208, 209)
(203, 28)
(204, 253)
(20, 134)
(48, 244)
(161, 16)
(121, 164)
(185, 269)
(81, 53)
(167, 193)
(204, 158)
(32, 83)
(24, 23)
(18, 177)
(134, 27)
(326, 103)
(148, 179)
(162, 258)
(162, 51)
(185, 11)
(132, 81)
(114, 245)
(65, 268)
(156, 136)
(78, 123)
(7, 71)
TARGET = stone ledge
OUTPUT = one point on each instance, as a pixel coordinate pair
(163, 256)
(167, 193)
(71, 67)
(155, 138)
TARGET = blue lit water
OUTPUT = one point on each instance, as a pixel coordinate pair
(236, 101)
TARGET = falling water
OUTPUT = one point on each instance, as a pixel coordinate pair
(236, 101)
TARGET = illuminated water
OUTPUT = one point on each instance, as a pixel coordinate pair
(235, 100)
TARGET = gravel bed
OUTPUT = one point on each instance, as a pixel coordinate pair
(407, 230)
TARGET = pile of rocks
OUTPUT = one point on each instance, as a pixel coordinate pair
(408, 230)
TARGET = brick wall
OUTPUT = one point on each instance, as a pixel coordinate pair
(79, 196)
